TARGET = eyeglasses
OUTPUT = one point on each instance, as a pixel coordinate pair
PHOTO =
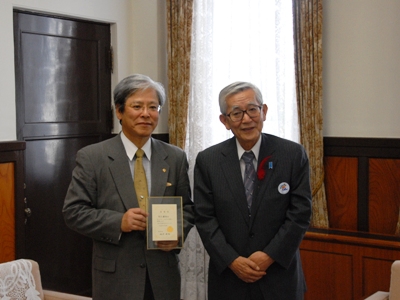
(150, 108)
(237, 114)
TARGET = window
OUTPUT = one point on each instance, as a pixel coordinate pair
(241, 40)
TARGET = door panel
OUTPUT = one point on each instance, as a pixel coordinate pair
(63, 255)
(63, 77)
(70, 90)
(63, 99)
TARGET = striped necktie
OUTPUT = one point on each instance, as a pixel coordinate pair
(249, 176)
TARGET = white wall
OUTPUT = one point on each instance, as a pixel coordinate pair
(138, 39)
(361, 61)
(149, 47)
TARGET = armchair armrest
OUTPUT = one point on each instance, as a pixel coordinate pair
(379, 296)
(53, 295)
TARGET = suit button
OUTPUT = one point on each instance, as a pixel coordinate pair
(251, 235)
(143, 265)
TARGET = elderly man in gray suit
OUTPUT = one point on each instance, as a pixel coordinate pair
(252, 204)
(101, 201)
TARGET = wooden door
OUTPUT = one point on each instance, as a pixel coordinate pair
(63, 99)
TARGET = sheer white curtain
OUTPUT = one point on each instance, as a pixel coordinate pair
(235, 40)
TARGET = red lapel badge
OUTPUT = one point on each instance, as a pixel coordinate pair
(261, 168)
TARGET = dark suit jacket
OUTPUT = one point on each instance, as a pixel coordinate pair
(277, 225)
(101, 191)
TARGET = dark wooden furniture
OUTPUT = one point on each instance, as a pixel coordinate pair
(352, 259)
(12, 204)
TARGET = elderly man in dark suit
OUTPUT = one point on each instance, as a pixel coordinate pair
(252, 213)
(102, 202)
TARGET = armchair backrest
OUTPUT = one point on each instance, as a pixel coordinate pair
(20, 279)
(395, 281)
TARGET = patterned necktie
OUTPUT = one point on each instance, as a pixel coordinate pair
(249, 176)
(140, 181)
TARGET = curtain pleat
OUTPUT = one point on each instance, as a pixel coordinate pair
(307, 24)
(179, 22)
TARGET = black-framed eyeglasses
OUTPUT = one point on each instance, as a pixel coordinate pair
(237, 114)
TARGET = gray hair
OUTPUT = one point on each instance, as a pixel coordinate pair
(133, 83)
(234, 88)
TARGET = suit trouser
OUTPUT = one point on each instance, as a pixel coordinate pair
(254, 293)
(148, 290)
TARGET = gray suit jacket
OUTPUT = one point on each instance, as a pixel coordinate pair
(277, 224)
(101, 191)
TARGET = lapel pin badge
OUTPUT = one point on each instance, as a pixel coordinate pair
(284, 188)
(270, 165)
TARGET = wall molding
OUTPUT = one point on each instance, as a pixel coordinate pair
(359, 147)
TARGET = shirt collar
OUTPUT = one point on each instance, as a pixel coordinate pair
(255, 149)
(131, 148)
